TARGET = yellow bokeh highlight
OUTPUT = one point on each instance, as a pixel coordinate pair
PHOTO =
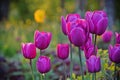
(39, 16)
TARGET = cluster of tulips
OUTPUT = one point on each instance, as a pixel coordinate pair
(79, 32)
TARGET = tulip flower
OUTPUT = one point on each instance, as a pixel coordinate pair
(117, 38)
(107, 36)
(29, 50)
(89, 51)
(114, 53)
(97, 21)
(42, 39)
(93, 64)
(78, 32)
(69, 18)
(43, 64)
(72, 17)
(63, 51)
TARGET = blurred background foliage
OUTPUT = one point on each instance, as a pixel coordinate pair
(18, 23)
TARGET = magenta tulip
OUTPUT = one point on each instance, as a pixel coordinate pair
(29, 50)
(107, 36)
(114, 53)
(93, 64)
(63, 51)
(117, 38)
(78, 36)
(97, 21)
(78, 32)
(42, 39)
(63, 24)
(89, 51)
(43, 64)
(72, 17)
(69, 18)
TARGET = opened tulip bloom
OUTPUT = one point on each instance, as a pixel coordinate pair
(63, 51)
(29, 50)
(107, 36)
(114, 53)
(43, 64)
(117, 38)
(97, 21)
(42, 39)
(69, 18)
(93, 64)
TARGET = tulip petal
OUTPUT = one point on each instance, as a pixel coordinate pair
(63, 24)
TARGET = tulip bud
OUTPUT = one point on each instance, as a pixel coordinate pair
(117, 38)
(63, 51)
(97, 21)
(89, 51)
(63, 24)
(93, 64)
(69, 18)
(107, 36)
(29, 50)
(77, 36)
(72, 17)
(42, 39)
(43, 64)
(114, 53)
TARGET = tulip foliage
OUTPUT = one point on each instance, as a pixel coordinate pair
(81, 33)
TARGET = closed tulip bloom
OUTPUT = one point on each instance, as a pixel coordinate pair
(78, 36)
(42, 39)
(43, 64)
(63, 51)
(69, 18)
(78, 32)
(114, 53)
(81, 23)
(89, 51)
(63, 25)
(97, 21)
(117, 38)
(72, 17)
(29, 50)
(93, 64)
(107, 36)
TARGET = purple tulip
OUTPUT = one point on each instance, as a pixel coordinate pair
(97, 21)
(43, 64)
(63, 51)
(29, 50)
(88, 43)
(72, 17)
(78, 32)
(63, 24)
(89, 51)
(69, 18)
(114, 53)
(93, 64)
(117, 38)
(42, 39)
(107, 36)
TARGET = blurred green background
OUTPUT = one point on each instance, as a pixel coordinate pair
(17, 21)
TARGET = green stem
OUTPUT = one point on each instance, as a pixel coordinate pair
(81, 65)
(44, 77)
(95, 75)
(115, 77)
(71, 62)
(31, 69)
(64, 70)
(95, 38)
